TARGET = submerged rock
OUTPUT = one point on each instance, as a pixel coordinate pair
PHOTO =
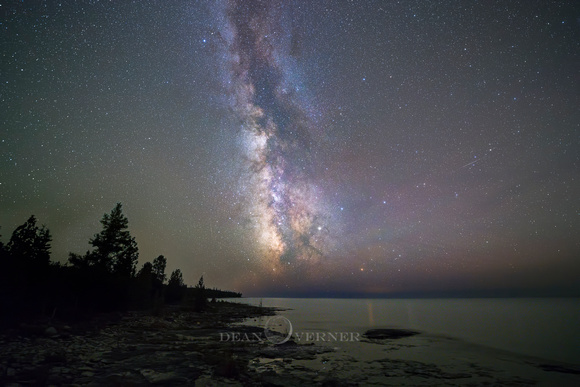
(392, 334)
(559, 368)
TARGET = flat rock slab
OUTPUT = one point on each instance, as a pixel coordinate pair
(389, 334)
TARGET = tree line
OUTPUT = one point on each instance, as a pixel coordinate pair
(103, 279)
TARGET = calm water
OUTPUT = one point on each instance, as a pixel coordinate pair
(543, 327)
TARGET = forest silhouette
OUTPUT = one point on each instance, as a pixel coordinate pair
(104, 279)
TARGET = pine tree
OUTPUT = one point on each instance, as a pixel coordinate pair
(158, 270)
(26, 269)
(142, 288)
(175, 287)
(30, 244)
(200, 299)
(2, 249)
(176, 279)
(106, 274)
(146, 272)
(115, 249)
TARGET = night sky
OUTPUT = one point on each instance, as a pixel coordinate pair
(303, 148)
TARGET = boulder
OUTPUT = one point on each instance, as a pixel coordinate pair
(383, 334)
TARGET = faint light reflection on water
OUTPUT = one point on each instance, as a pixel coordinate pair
(542, 327)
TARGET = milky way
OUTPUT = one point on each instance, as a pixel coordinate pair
(275, 126)
(301, 148)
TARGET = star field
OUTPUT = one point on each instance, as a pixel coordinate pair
(303, 148)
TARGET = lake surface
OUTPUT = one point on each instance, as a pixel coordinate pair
(548, 328)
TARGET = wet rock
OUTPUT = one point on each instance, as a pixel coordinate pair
(55, 380)
(163, 378)
(392, 334)
(210, 381)
(228, 368)
(174, 349)
(558, 368)
(123, 379)
(334, 382)
(293, 351)
(57, 355)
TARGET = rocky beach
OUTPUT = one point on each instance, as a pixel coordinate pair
(226, 346)
(178, 347)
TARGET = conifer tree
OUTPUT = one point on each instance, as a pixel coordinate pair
(30, 244)
(158, 270)
(175, 287)
(115, 248)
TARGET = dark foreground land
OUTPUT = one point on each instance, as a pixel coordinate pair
(178, 347)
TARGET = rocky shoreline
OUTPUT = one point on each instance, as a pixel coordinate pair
(178, 347)
(226, 345)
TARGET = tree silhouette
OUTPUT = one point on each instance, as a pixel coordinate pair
(175, 287)
(158, 269)
(115, 250)
(26, 270)
(143, 288)
(114, 246)
(200, 300)
(103, 279)
(105, 276)
(158, 279)
(30, 244)
(176, 279)
(1, 246)
(146, 271)
(4, 256)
